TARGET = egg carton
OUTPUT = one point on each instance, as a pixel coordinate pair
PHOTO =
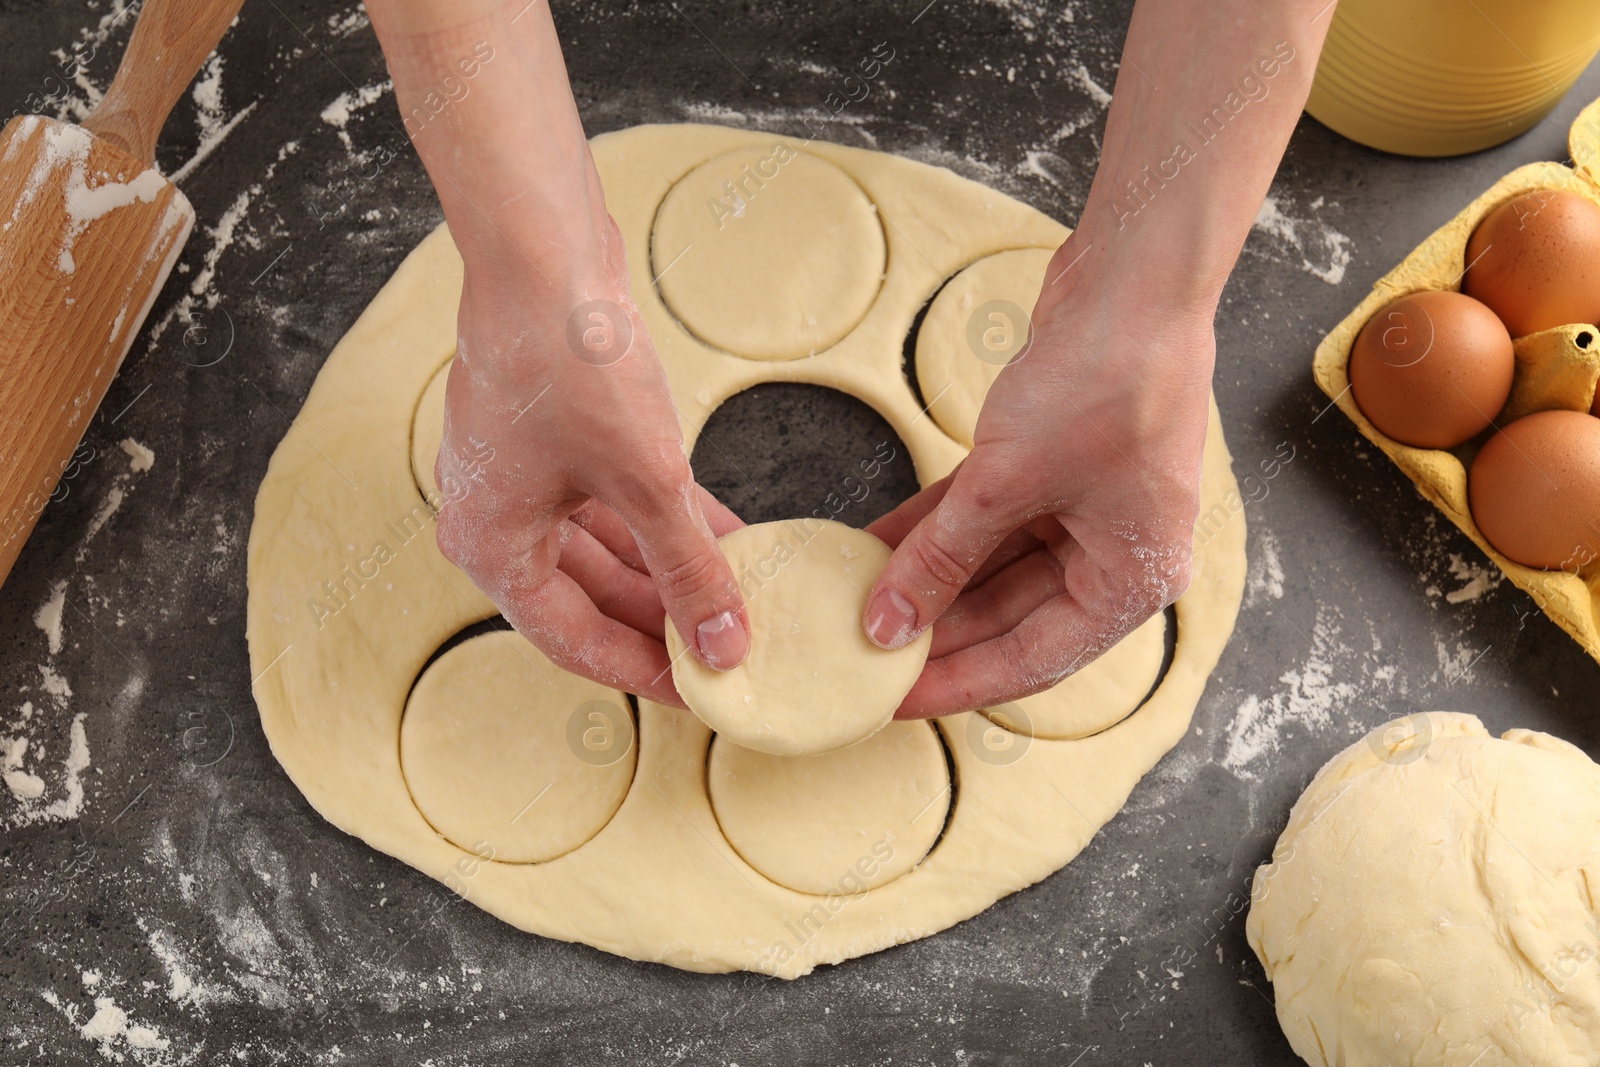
(1555, 368)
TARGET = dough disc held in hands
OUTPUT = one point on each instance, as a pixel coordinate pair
(812, 681)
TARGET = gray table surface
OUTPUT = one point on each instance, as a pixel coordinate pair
(194, 892)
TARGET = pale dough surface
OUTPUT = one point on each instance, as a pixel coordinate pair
(812, 681)
(1102, 694)
(970, 329)
(427, 431)
(1432, 901)
(660, 881)
(835, 822)
(495, 761)
(774, 267)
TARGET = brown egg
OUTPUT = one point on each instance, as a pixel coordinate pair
(1535, 260)
(1535, 490)
(1432, 369)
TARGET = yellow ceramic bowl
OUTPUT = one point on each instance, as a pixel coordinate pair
(1443, 77)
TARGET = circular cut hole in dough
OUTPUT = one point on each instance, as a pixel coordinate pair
(791, 448)
(812, 681)
(976, 324)
(839, 822)
(1097, 697)
(427, 432)
(768, 252)
(510, 757)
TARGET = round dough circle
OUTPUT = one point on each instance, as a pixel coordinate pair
(812, 681)
(976, 323)
(1101, 695)
(1430, 901)
(510, 757)
(427, 433)
(768, 253)
(838, 822)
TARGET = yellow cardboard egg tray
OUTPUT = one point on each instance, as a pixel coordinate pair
(1556, 368)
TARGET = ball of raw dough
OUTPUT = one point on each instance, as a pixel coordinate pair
(812, 681)
(1432, 901)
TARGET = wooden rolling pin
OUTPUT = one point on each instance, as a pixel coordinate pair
(88, 232)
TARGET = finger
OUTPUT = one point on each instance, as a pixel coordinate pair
(892, 528)
(607, 527)
(718, 516)
(939, 557)
(999, 604)
(1060, 637)
(1018, 544)
(693, 576)
(616, 589)
(561, 620)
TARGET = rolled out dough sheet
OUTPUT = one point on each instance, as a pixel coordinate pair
(350, 599)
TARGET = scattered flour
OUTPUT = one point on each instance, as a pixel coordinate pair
(23, 786)
(337, 114)
(92, 40)
(1266, 570)
(48, 617)
(116, 1036)
(349, 22)
(52, 682)
(182, 987)
(210, 115)
(77, 761)
(1307, 238)
(1096, 92)
(222, 236)
(28, 786)
(1477, 579)
(1456, 664)
(1033, 165)
(1309, 700)
(140, 458)
(110, 1028)
(108, 507)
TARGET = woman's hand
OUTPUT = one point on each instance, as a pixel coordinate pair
(568, 497)
(1071, 520)
(586, 520)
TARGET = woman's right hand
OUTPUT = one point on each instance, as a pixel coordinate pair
(568, 497)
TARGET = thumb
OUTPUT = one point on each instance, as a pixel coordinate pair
(693, 576)
(936, 560)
